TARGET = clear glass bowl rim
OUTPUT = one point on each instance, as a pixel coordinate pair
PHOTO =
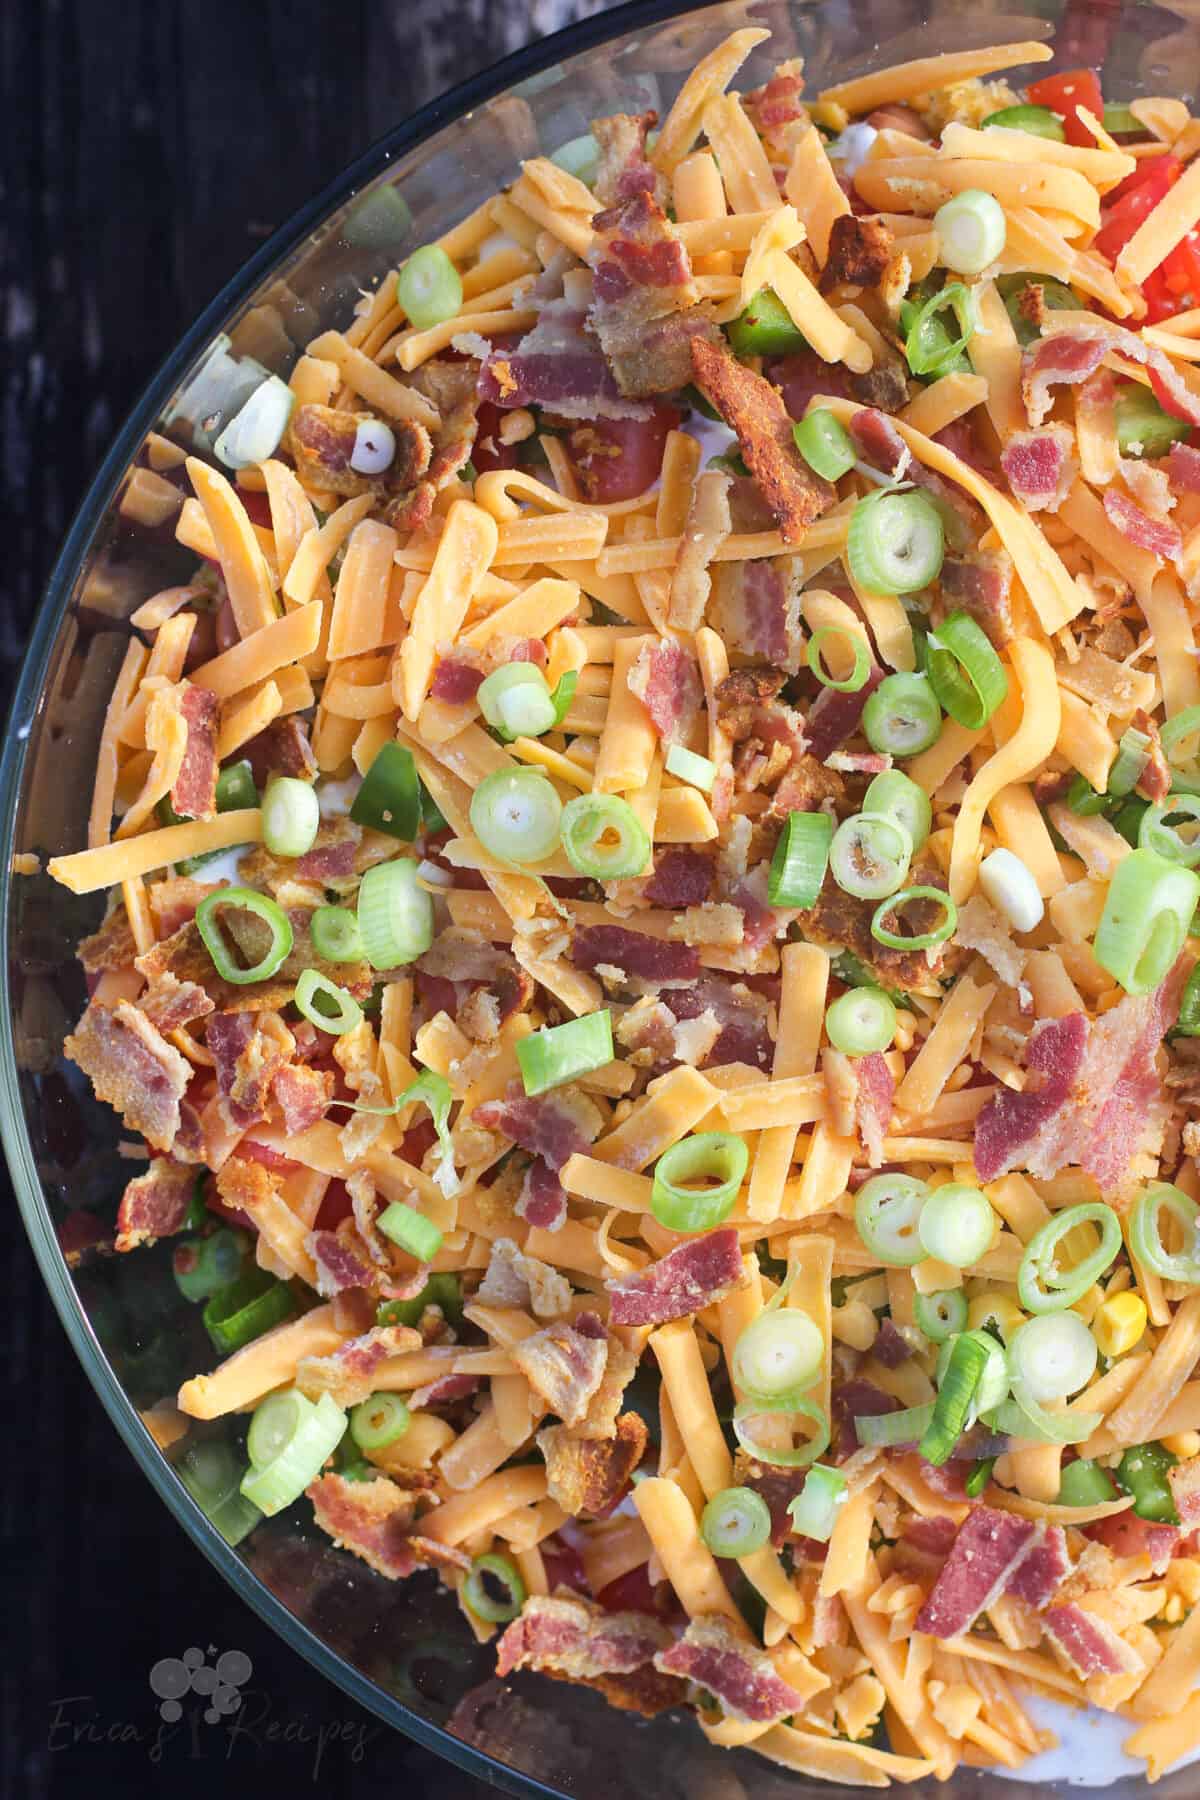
(444, 110)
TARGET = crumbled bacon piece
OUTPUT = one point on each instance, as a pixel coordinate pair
(979, 584)
(882, 445)
(132, 1067)
(739, 1674)
(682, 877)
(302, 1096)
(1183, 468)
(1070, 350)
(111, 947)
(859, 252)
(155, 1205)
(1036, 1578)
(1154, 782)
(512, 1278)
(988, 1550)
(1088, 1645)
(1156, 535)
(281, 749)
(693, 1275)
(891, 1347)
(623, 169)
(340, 1267)
(321, 442)
(778, 102)
(172, 1004)
(551, 1126)
(666, 680)
(455, 681)
(835, 716)
(444, 1389)
(1183, 1479)
(652, 959)
(374, 1520)
(589, 1475)
(644, 311)
(752, 408)
(249, 1050)
(1040, 466)
(573, 1640)
(838, 921)
(873, 1103)
(565, 1364)
(755, 608)
(347, 1373)
(194, 795)
(542, 1201)
(557, 365)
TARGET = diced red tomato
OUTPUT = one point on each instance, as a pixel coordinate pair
(1065, 94)
(489, 453)
(1127, 1535)
(563, 1565)
(416, 1141)
(631, 1592)
(79, 1231)
(618, 458)
(1127, 206)
(334, 1207)
(256, 504)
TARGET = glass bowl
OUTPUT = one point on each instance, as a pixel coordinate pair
(400, 1649)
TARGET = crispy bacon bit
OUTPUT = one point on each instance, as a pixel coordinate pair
(835, 716)
(1154, 782)
(1098, 1091)
(1040, 466)
(194, 795)
(682, 877)
(155, 1204)
(988, 1550)
(873, 1103)
(881, 444)
(577, 1641)
(706, 527)
(778, 102)
(321, 440)
(653, 959)
(623, 169)
(302, 1096)
(173, 903)
(1087, 1644)
(755, 608)
(859, 252)
(374, 1520)
(339, 1265)
(542, 1201)
(734, 1020)
(565, 1364)
(837, 921)
(1183, 1479)
(445, 1389)
(1071, 348)
(112, 947)
(249, 1050)
(933, 1536)
(347, 1373)
(172, 1004)
(667, 682)
(692, 1276)
(552, 1126)
(740, 1675)
(1036, 1578)
(979, 584)
(891, 1347)
(557, 365)
(456, 681)
(644, 311)
(514, 1279)
(752, 408)
(1183, 468)
(332, 857)
(282, 749)
(132, 1067)
(589, 1475)
(858, 1399)
(1156, 535)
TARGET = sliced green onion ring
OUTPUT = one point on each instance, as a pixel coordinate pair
(202, 1266)
(326, 1005)
(1053, 1355)
(1024, 1417)
(941, 1315)
(516, 702)
(245, 900)
(736, 1522)
(896, 542)
(299, 1460)
(896, 940)
(964, 671)
(800, 860)
(887, 1213)
(411, 1230)
(716, 1157)
(815, 1509)
(1133, 753)
(825, 444)
(275, 1423)
(902, 716)
(957, 1224)
(1175, 733)
(860, 1021)
(211, 1476)
(972, 231)
(881, 1431)
(964, 1373)
(777, 1358)
(389, 799)
(395, 914)
(335, 934)
(857, 677)
(1042, 1287)
(379, 1421)
(517, 815)
(1146, 917)
(604, 838)
(429, 287)
(697, 770)
(799, 1458)
(561, 1053)
(487, 1574)
(1155, 834)
(1146, 1232)
(291, 815)
(1036, 119)
(928, 345)
(897, 794)
(870, 855)
(241, 1312)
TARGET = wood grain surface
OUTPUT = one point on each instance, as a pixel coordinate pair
(150, 146)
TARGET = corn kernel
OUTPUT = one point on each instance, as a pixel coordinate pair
(1184, 1444)
(1119, 1323)
(1005, 1312)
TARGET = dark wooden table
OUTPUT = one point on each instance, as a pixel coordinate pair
(151, 145)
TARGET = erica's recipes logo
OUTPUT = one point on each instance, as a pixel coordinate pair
(173, 1678)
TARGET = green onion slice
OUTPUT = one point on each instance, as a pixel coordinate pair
(316, 1434)
(736, 1522)
(825, 444)
(493, 1589)
(379, 1421)
(697, 770)
(1146, 917)
(956, 1395)
(561, 1053)
(925, 940)
(977, 1481)
(249, 900)
(517, 815)
(964, 671)
(411, 1230)
(235, 788)
(395, 914)
(887, 1212)
(429, 287)
(291, 814)
(1085, 1483)
(1146, 1232)
(996, 1378)
(604, 838)
(902, 716)
(1044, 1287)
(389, 799)
(880, 1431)
(897, 794)
(869, 855)
(335, 934)
(928, 346)
(1023, 1417)
(857, 677)
(1133, 753)
(1154, 833)
(326, 1005)
(860, 1021)
(1177, 732)
(957, 1224)
(1053, 1355)
(241, 1312)
(802, 1455)
(941, 1315)
(201, 1266)
(972, 231)
(800, 860)
(896, 542)
(516, 702)
(815, 1508)
(716, 1158)
(1037, 119)
(211, 1475)
(778, 1357)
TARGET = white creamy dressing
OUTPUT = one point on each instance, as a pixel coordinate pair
(335, 798)
(852, 147)
(223, 867)
(1089, 1752)
(714, 438)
